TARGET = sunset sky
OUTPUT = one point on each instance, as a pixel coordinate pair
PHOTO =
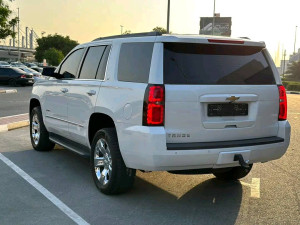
(84, 20)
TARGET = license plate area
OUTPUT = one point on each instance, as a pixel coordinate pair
(227, 109)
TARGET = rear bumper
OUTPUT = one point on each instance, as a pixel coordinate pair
(145, 148)
(25, 81)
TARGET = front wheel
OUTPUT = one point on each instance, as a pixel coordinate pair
(233, 173)
(109, 171)
(38, 133)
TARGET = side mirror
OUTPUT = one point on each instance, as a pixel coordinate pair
(50, 72)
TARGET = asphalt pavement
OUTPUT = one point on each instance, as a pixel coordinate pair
(268, 195)
(14, 103)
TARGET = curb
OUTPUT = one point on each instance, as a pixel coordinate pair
(15, 125)
(8, 91)
(293, 92)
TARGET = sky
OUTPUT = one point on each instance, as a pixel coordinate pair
(272, 21)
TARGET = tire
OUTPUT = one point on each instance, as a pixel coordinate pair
(233, 173)
(109, 172)
(12, 82)
(39, 135)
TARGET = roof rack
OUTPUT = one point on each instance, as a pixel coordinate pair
(145, 34)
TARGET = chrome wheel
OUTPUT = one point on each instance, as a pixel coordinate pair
(102, 161)
(35, 129)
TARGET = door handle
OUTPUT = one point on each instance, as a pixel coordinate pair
(64, 90)
(91, 92)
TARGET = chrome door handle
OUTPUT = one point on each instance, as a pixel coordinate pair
(91, 92)
(64, 90)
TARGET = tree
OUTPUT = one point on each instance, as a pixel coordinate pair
(160, 29)
(294, 70)
(127, 32)
(61, 43)
(6, 23)
(53, 56)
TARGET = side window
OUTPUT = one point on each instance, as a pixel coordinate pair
(134, 62)
(102, 66)
(70, 66)
(91, 62)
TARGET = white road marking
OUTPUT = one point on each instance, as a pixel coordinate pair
(255, 188)
(14, 115)
(58, 203)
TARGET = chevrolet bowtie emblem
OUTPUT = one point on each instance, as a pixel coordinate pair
(232, 98)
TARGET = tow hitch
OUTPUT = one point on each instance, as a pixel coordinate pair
(242, 162)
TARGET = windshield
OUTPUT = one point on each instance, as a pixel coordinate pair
(186, 63)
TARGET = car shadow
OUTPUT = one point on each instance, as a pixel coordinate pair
(67, 176)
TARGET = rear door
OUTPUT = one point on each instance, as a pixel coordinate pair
(218, 92)
(84, 91)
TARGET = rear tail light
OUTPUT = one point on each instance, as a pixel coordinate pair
(154, 106)
(23, 76)
(282, 103)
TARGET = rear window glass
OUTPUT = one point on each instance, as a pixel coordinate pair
(134, 62)
(186, 63)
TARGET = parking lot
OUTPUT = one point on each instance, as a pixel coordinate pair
(16, 103)
(270, 194)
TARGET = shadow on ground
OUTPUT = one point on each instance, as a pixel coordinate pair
(67, 176)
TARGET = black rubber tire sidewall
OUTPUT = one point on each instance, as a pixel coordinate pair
(44, 143)
(122, 178)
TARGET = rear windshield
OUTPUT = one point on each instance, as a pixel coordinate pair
(186, 63)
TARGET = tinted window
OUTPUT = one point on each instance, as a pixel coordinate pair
(91, 62)
(134, 62)
(215, 64)
(10, 71)
(102, 66)
(70, 65)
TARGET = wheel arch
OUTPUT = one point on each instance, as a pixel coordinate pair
(99, 121)
(33, 103)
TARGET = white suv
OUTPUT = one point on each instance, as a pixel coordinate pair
(178, 103)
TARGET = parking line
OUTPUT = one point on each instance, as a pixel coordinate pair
(255, 188)
(58, 203)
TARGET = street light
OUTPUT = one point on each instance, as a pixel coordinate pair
(168, 17)
(121, 29)
(295, 40)
(214, 13)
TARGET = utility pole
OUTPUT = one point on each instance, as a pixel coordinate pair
(168, 18)
(18, 35)
(121, 29)
(284, 63)
(295, 40)
(213, 23)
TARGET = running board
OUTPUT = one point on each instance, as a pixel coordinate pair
(70, 145)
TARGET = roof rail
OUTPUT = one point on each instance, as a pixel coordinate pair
(145, 34)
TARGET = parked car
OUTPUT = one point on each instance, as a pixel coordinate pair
(17, 64)
(4, 64)
(30, 65)
(36, 75)
(178, 103)
(14, 76)
(38, 69)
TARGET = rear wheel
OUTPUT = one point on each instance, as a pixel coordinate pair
(38, 133)
(109, 172)
(12, 82)
(233, 173)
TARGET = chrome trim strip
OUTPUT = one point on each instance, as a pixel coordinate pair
(76, 124)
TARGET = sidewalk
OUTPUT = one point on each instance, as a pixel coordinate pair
(13, 122)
